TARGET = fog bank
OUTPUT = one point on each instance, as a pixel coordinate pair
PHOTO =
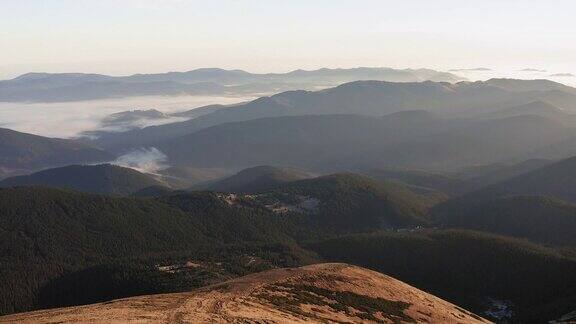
(69, 119)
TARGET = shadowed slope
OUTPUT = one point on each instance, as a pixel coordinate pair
(21, 151)
(101, 179)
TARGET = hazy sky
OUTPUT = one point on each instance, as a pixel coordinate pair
(129, 36)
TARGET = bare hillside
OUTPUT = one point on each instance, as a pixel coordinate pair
(330, 292)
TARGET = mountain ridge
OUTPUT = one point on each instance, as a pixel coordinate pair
(22, 152)
(316, 294)
(369, 98)
(254, 179)
(47, 87)
(101, 179)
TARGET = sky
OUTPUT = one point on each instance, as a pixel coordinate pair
(120, 37)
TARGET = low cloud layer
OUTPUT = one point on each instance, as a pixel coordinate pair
(71, 119)
(147, 160)
(480, 69)
(532, 70)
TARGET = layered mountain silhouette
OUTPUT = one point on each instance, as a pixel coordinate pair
(477, 177)
(182, 177)
(536, 218)
(530, 85)
(100, 179)
(21, 152)
(256, 179)
(336, 142)
(370, 98)
(554, 180)
(55, 87)
(420, 179)
(459, 189)
(539, 107)
(536, 205)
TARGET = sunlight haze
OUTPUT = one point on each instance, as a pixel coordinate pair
(288, 161)
(148, 36)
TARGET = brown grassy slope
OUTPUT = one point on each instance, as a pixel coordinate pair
(331, 292)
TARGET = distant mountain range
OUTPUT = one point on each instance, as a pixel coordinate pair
(539, 108)
(554, 180)
(537, 218)
(530, 85)
(356, 126)
(537, 205)
(55, 87)
(369, 98)
(459, 189)
(455, 183)
(336, 142)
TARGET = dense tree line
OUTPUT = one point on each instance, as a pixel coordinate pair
(465, 267)
(61, 247)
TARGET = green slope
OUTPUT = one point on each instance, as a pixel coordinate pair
(22, 152)
(348, 202)
(555, 180)
(255, 179)
(46, 234)
(536, 218)
(101, 179)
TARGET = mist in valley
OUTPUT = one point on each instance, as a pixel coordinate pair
(366, 161)
(556, 74)
(71, 119)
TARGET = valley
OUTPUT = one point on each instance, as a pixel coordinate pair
(252, 161)
(462, 192)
